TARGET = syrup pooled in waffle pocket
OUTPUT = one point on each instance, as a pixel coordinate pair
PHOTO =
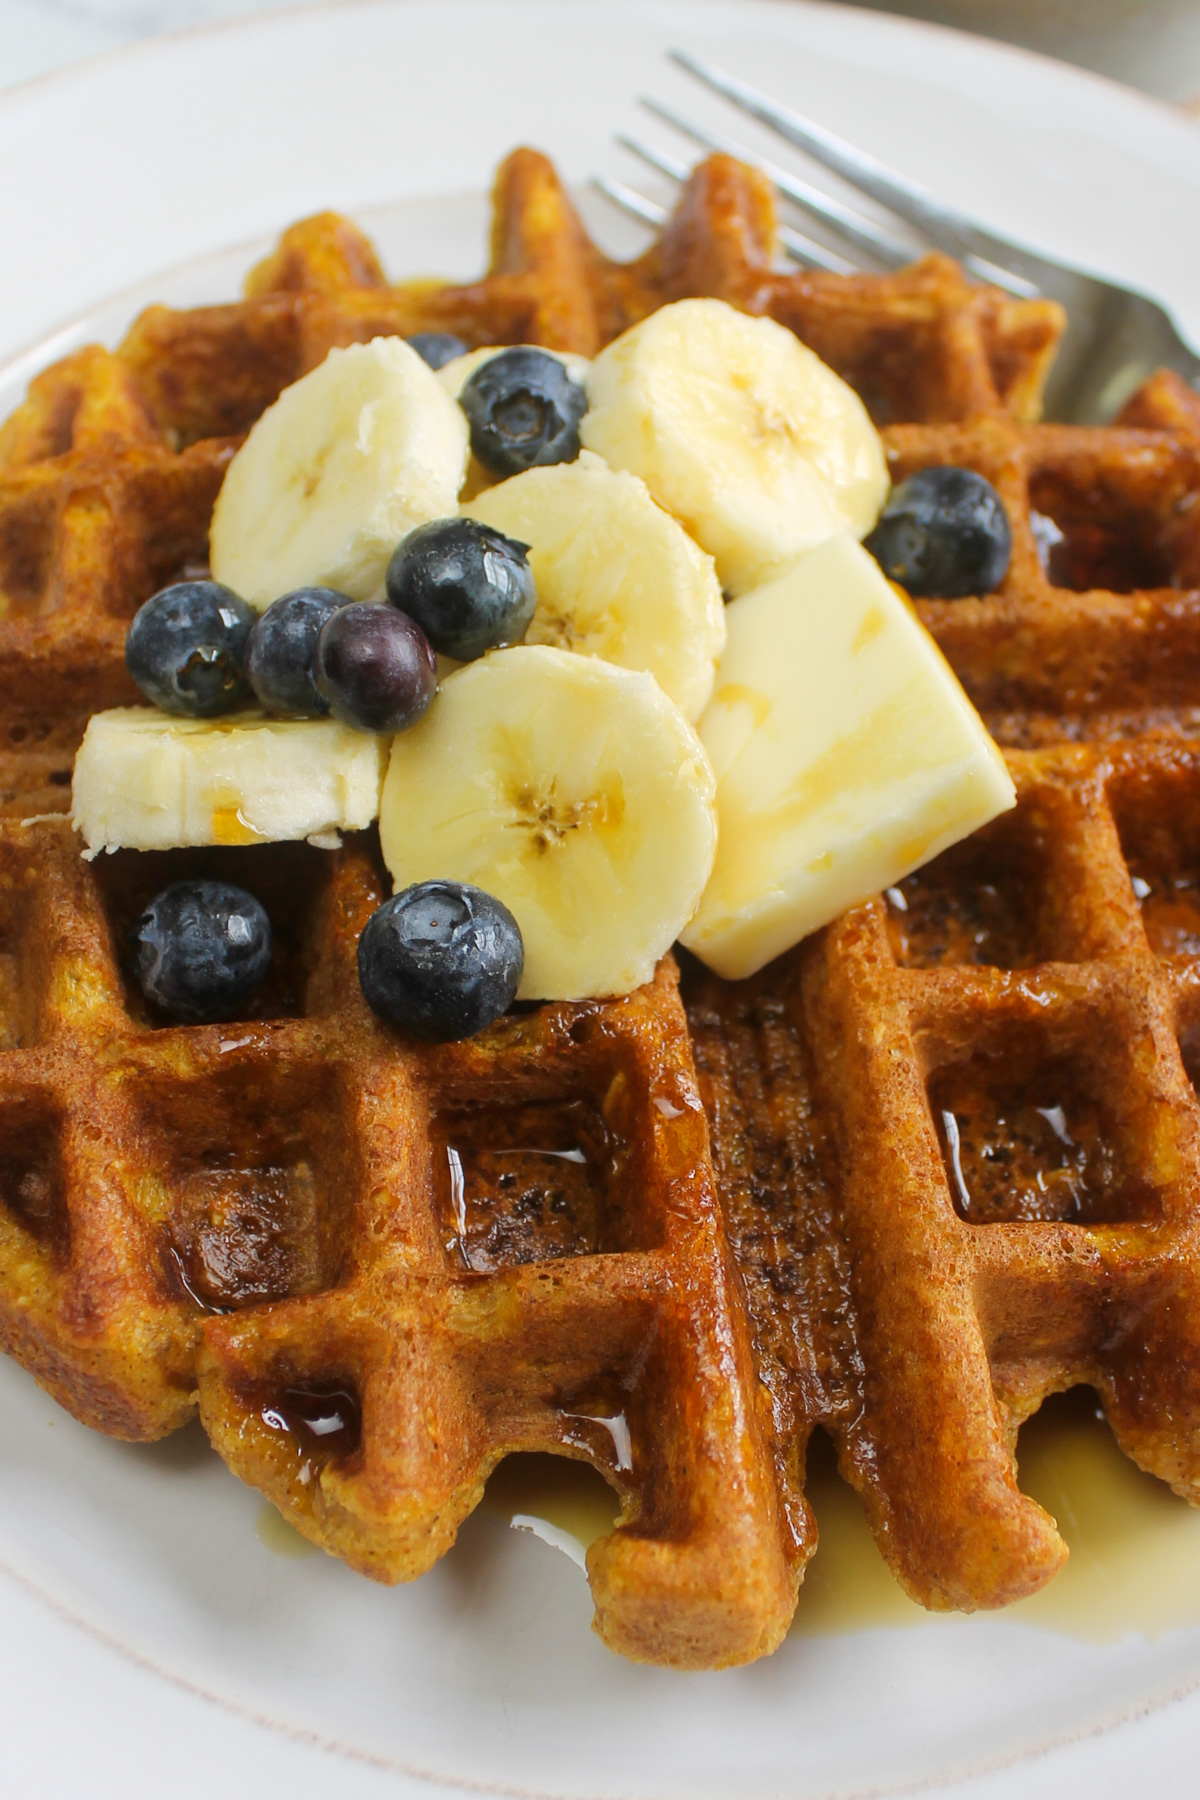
(900, 1180)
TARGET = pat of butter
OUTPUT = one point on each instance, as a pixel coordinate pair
(845, 751)
(147, 781)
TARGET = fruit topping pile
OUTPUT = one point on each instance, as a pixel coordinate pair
(440, 960)
(281, 653)
(597, 644)
(186, 649)
(524, 411)
(468, 587)
(374, 667)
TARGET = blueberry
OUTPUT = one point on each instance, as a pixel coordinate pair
(468, 587)
(282, 646)
(375, 667)
(441, 960)
(944, 533)
(523, 410)
(437, 348)
(201, 950)
(186, 648)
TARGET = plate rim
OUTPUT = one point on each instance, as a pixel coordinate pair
(945, 1780)
(94, 68)
(84, 67)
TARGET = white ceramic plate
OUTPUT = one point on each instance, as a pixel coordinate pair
(133, 177)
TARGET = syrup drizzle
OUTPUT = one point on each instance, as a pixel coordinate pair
(569, 1496)
(951, 913)
(324, 1421)
(1170, 912)
(1134, 1566)
(1023, 1144)
(276, 1535)
(529, 1183)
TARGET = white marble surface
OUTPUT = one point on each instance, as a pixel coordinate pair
(38, 36)
(1154, 44)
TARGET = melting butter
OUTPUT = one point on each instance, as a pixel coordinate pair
(845, 753)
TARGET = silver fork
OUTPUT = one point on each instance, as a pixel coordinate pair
(1115, 336)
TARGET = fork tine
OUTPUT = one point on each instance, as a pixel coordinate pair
(1013, 284)
(811, 255)
(801, 249)
(948, 229)
(861, 232)
(943, 226)
(630, 201)
(670, 166)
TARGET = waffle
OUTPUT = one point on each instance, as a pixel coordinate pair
(959, 1151)
(936, 1163)
(384, 1267)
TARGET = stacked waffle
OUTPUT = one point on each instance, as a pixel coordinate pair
(941, 1160)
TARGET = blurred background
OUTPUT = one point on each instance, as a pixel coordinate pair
(1151, 44)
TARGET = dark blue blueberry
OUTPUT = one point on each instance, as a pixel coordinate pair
(186, 648)
(437, 348)
(282, 649)
(201, 950)
(375, 667)
(441, 960)
(944, 533)
(468, 587)
(523, 410)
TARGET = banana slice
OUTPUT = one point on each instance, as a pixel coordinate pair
(453, 375)
(350, 458)
(573, 791)
(757, 447)
(616, 576)
(845, 751)
(147, 781)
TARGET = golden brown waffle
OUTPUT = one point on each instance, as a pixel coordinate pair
(1098, 634)
(958, 1145)
(109, 470)
(97, 511)
(385, 1267)
(381, 1268)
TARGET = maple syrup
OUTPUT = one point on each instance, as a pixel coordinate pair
(971, 904)
(1025, 1142)
(1101, 539)
(246, 1235)
(1134, 1566)
(931, 925)
(1011, 1158)
(1170, 906)
(276, 1535)
(230, 827)
(572, 1496)
(325, 1420)
(528, 1183)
